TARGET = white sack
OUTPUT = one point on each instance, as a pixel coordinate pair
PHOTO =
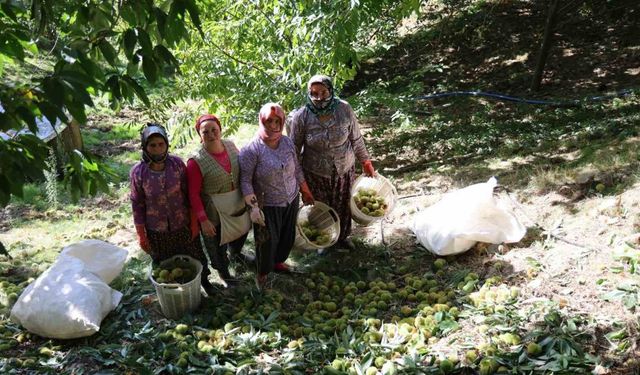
(463, 217)
(71, 298)
(102, 258)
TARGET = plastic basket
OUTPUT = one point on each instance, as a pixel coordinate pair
(178, 299)
(322, 217)
(382, 187)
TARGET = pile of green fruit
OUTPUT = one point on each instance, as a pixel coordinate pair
(9, 292)
(169, 274)
(494, 298)
(370, 203)
(314, 234)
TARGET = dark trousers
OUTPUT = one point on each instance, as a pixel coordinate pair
(218, 253)
(275, 240)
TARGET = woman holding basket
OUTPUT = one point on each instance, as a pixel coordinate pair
(328, 141)
(213, 173)
(271, 179)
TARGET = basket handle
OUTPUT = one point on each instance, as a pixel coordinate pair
(333, 214)
(172, 288)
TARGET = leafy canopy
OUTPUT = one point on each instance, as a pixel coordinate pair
(57, 56)
(258, 51)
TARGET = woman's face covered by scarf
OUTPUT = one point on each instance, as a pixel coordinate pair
(320, 96)
(271, 120)
(155, 144)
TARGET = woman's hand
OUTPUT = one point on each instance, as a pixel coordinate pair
(208, 229)
(255, 213)
(257, 216)
(194, 226)
(251, 200)
(142, 238)
(367, 168)
(307, 196)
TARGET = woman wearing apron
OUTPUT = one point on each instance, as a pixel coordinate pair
(213, 174)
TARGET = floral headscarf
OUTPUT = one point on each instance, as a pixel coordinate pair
(263, 132)
(328, 105)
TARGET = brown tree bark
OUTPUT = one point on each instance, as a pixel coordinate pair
(546, 45)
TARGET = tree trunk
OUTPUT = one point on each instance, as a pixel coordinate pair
(546, 45)
(76, 137)
(70, 137)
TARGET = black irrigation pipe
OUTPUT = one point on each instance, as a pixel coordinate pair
(497, 96)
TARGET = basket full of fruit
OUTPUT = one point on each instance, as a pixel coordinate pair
(317, 226)
(177, 283)
(372, 198)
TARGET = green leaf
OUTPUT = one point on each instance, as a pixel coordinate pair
(161, 19)
(27, 116)
(54, 90)
(139, 90)
(11, 46)
(109, 53)
(192, 8)
(163, 53)
(150, 68)
(76, 109)
(129, 40)
(113, 85)
(145, 41)
(91, 68)
(7, 8)
(128, 14)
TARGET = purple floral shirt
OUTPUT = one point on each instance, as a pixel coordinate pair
(159, 198)
(274, 176)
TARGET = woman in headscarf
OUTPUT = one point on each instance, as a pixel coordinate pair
(213, 173)
(271, 179)
(328, 142)
(160, 204)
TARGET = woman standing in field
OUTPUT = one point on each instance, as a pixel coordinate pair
(328, 141)
(271, 178)
(213, 173)
(160, 204)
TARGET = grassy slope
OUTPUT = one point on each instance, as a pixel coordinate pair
(551, 158)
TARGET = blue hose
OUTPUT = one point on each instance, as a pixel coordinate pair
(572, 103)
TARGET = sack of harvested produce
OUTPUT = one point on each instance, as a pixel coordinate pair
(466, 216)
(71, 298)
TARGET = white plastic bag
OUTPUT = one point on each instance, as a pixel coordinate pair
(71, 298)
(102, 258)
(464, 217)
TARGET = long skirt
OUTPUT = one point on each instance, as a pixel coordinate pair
(164, 245)
(335, 191)
(275, 240)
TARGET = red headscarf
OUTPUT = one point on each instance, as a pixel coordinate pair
(207, 117)
(264, 133)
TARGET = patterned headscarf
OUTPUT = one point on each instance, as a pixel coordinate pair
(263, 132)
(328, 105)
(150, 130)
